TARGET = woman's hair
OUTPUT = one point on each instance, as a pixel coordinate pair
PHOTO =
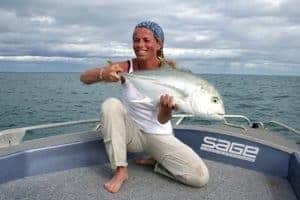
(159, 36)
(164, 61)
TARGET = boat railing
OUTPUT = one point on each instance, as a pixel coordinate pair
(15, 136)
(237, 125)
(181, 117)
(284, 126)
(250, 124)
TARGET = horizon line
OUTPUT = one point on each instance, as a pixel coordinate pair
(208, 73)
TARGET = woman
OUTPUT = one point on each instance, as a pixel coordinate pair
(137, 127)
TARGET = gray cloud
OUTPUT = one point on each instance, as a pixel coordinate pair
(209, 36)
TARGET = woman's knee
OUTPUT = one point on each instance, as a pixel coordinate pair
(111, 105)
(198, 177)
(201, 176)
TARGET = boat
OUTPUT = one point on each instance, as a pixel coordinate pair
(245, 162)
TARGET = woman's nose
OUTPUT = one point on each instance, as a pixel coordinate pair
(140, 44)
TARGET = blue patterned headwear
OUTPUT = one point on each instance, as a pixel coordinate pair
(154, 27)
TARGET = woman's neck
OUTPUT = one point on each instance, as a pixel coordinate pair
(147, 64)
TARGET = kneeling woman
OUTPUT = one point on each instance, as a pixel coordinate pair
(137, 127)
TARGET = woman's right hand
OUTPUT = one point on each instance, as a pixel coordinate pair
(166, 105)
(111, 73)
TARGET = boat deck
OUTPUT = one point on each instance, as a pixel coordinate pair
(226, 182)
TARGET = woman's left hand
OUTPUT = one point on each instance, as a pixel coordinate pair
(111, 73)
(166, 105)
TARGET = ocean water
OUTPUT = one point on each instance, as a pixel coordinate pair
(28, 99)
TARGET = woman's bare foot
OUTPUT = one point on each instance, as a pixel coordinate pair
(117, 180)
(145, 161)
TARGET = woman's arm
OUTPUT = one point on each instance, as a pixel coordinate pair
(108, 73)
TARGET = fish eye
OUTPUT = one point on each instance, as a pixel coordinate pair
(215, 99)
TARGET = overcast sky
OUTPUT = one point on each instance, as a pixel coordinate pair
(247, 37)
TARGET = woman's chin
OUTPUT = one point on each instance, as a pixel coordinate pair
(141, 57)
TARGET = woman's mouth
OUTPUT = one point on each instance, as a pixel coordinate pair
(141, 52)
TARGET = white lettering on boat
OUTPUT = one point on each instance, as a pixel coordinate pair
(231, 149)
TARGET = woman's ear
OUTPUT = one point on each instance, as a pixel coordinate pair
(160, 45)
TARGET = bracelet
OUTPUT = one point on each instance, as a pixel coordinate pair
(101, 74)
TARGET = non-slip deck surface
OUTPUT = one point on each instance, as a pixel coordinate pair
(226, 182)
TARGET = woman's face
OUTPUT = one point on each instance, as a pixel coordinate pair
(145, 45)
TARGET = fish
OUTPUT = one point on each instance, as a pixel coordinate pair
(193, 95)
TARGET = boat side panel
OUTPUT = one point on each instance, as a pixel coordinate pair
(233, 150)
(50, 159)
(294, 173)
(80, 154)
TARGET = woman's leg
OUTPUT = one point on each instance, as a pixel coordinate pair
(177, 160)
(120, 135)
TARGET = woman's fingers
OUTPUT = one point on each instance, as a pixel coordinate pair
(114, 77)
(112, 73)
(117, 68)
(168, 101)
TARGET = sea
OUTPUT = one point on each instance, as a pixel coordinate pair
(28, 99)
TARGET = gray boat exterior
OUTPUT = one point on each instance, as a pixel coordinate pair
(238, 160)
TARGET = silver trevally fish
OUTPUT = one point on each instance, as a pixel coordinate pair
(192, 94)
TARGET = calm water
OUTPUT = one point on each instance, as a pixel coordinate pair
(35, 98)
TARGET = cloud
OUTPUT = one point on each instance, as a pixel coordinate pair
(211, 34)
(43, 19)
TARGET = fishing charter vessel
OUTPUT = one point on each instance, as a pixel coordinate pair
(245, 162)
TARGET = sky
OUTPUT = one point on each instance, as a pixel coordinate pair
(220, 37)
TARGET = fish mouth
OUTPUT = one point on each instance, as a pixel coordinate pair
(221, 114)
(218, 116)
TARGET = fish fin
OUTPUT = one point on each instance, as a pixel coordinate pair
(186, 70)
(181, 69)
(140, 76)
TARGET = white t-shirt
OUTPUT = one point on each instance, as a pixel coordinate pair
(143, 114)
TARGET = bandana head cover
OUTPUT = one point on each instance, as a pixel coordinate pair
(154, 27)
